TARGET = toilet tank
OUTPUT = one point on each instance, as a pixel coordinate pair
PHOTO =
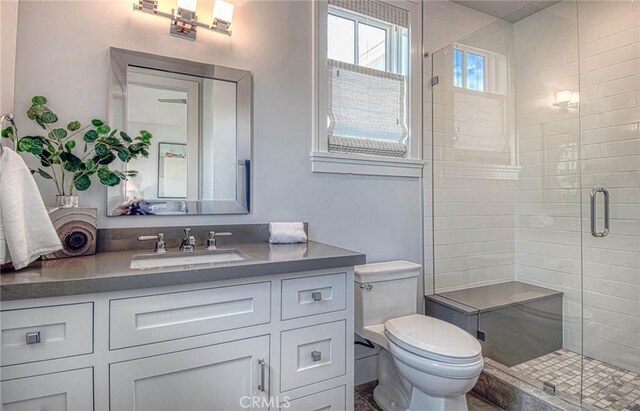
(384, 291)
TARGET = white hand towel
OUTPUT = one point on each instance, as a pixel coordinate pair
(287, 233)
(26, 231)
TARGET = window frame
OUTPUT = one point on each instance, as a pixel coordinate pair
(391, 37)
(325, 161)
(466, 50)
(490, 68)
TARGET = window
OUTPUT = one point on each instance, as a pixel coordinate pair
(360, 40)
(367, 110)
(479, 70)
(468, 70)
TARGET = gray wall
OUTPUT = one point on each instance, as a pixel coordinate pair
(62, 53)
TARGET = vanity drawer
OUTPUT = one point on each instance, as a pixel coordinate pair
(163, 317)
(63, 391)
(45, 333)
(312, 354)
(307, 296)
(331, 400)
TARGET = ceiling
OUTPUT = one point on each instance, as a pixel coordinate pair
(509, 10)
(144, 105)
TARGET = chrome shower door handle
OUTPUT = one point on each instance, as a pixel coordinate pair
(594, 197)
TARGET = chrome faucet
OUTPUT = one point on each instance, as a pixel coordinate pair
(212, 243)
(188, 243)
(159, 239)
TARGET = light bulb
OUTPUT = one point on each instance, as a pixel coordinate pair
(222, 11)
(190, 5)
(563, 96)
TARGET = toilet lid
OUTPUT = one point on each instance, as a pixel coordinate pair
(427, 336)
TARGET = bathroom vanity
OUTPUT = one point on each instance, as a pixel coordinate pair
(273, 330)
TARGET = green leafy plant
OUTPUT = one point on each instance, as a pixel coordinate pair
(71, 162)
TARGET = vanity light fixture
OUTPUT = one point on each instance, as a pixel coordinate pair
(567, 99)
(184, 21)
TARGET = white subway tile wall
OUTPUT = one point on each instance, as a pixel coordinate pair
(470, 131)
(601, 141)
(473, 154)
(547, 196)
(444, 23)
(610, 119)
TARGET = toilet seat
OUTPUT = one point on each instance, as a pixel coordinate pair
(434, 339)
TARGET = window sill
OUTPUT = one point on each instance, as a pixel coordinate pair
(350, 163)
(477, 171)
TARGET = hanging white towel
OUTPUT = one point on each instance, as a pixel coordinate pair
(287, 233)
(26, 231)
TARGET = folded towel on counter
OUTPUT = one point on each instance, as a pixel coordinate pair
(287, 233)
(26, 231)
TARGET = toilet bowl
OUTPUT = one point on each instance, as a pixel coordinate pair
(425, 363)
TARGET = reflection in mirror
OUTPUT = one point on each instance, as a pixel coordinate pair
(172, 170)
(200, 118)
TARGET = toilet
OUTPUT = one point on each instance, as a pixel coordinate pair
(424, 363)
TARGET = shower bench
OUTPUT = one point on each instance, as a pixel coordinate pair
(514, 321)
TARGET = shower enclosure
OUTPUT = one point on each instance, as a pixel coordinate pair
(535, 225)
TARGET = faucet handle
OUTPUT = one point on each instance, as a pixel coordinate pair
(160, 243)
(211, 241)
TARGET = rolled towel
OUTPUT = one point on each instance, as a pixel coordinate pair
(287, 233)
(26, 231)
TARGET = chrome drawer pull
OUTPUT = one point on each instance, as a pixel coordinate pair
(316, 356)
(316, 296)
(33, 338)
(263, 365)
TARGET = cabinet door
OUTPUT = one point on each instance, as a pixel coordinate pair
(225, 377)
(61, 391)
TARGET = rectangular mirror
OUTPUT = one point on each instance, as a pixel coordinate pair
(200, 117)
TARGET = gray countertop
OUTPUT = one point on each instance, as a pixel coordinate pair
(110, 271)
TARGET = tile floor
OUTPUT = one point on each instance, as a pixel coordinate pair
(365, 402)
(606, 386)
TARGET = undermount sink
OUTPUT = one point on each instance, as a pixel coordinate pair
(143, 261)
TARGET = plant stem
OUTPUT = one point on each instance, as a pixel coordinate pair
(55, 180)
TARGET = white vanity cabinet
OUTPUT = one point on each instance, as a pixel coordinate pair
(224, 376)
(270, 342)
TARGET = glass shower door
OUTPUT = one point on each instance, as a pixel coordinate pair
(610, 166)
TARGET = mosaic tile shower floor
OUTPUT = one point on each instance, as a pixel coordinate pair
(606, 387)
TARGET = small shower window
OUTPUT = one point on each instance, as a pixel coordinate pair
(458, 73)
(480, 70)
(475, 72)
(469, 70)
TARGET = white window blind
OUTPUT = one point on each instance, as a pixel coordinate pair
(366, 107)
(366, 110)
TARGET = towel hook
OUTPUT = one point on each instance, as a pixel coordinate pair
(8, 117)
